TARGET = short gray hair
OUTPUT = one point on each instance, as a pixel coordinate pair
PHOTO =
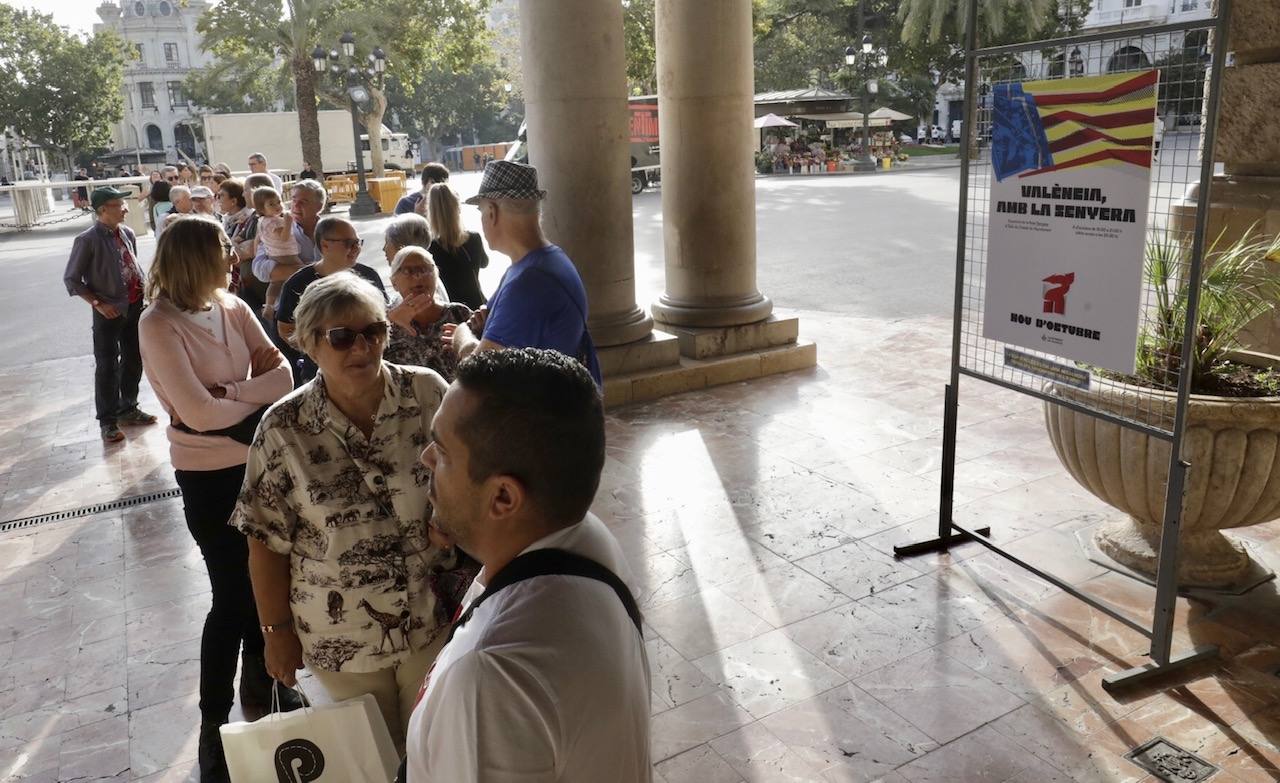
(177, 191)
(330, 298)
(318, 193)
(414, 251)
(409, 229)
(258, 156)
(328, 223)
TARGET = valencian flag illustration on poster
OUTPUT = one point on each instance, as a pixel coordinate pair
(1068, 215)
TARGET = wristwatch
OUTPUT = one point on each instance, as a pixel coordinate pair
(277, 627)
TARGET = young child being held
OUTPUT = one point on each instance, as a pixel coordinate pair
(275, 229)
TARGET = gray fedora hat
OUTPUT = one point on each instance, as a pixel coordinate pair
(504, 179)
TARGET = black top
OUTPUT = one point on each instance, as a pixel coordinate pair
(460, 270)
(307, 174)
(295, 285)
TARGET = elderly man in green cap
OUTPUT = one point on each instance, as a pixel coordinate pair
(103, 270)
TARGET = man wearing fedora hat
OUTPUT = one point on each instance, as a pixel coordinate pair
(541, 302)
(103, 270)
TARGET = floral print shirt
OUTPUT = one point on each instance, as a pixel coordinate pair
(366, 586)
(426, 348)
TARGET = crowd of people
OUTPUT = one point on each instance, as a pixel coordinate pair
(403, 509)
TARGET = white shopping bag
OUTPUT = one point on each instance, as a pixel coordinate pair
(347, 742)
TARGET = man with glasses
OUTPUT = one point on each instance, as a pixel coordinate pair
(258, 165)
(103, 270)
(170, 174)
(339, 248)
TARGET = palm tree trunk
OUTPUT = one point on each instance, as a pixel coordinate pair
(373, 127)
(304, 79)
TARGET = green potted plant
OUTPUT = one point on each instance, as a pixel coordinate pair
(764, 162)
(1232, 438)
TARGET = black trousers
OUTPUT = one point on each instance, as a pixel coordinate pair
(117, 364)
(208, 498)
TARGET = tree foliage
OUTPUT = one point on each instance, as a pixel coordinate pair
(60, 91)
(427, 43)
(639, 35)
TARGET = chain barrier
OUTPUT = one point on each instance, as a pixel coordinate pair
(73, 214)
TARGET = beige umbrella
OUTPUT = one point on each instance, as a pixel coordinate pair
(773, 121)
(885, 113)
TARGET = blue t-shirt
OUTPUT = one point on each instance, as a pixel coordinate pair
(541, 303)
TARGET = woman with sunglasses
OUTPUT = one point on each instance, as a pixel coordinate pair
(213, 370)
(335, 507)
(339, 248)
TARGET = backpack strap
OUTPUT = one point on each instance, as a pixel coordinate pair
(552, 562)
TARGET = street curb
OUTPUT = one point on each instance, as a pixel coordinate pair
(900, 169)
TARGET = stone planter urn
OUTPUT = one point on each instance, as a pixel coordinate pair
(1233, 446)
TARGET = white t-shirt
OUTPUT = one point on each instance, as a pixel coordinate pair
(548, 681)
(210, 320)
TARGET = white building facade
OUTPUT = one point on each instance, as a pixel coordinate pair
(1142, 51)
(1111, 56)
(158, 114)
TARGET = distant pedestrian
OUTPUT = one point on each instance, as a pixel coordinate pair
(103, 270)
(308, 172)
(81, 195)
(258, 165)
(432, 174)
(202, 200)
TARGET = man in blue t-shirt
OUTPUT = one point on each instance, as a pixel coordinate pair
(541, 302)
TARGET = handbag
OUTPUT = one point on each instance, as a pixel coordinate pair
(347, 742)
(241, 432)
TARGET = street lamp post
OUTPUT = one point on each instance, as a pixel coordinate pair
(358, 95)
(865, 63)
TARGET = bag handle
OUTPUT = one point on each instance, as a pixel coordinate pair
(275, 696)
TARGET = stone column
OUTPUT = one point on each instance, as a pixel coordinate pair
(575, 90)
(706, 76)
(1248, 142)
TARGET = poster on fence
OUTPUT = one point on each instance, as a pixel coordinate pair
(1071, 162)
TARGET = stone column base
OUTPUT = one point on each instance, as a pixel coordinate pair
(686, 359)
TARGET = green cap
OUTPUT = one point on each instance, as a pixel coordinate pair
(101, 196)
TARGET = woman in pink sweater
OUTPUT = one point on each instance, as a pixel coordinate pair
(214, 371)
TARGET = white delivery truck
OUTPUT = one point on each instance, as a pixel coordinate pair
(232, 138)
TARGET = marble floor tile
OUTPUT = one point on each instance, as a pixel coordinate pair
(96, 752)
(693, 723)
(858, 570)
(727, 558)
(938, 694)
(768, 672)
(1012, 655)
(704, 622)
(759, 756)
(164, 735)
(164, 673)
(848, 735)
(783, 594)
(940, 605)
(700, 765)
(675, 681)
(983, 755)
(854, 640)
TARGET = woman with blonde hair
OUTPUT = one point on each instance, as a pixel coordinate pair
(214, 371)
(459, 254)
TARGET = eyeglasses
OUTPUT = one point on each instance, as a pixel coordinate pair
(414, 271)
(351, 244)
(172, 179)
(343, 338)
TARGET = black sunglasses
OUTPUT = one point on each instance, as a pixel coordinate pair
(343, 338)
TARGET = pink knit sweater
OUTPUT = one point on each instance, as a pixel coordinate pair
(183, 361)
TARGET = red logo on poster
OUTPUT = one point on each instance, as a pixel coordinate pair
(1055, 292)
